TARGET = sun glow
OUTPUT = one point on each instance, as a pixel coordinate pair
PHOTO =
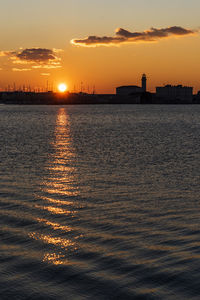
(62, 87)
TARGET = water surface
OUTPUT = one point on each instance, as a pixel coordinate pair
(99, 202)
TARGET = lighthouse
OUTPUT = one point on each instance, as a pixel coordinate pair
(144, 83)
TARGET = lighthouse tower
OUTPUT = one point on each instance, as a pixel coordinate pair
(144, 83)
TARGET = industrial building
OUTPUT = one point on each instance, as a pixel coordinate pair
(176, 93)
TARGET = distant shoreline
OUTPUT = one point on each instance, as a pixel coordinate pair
(50, 98)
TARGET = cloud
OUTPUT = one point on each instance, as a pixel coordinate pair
(36, 55)
(20, 70)
(45, 74)
(95, 41)
(125, 36)
(153, 33)
(55, 50)
(41, 57)
(47, 67)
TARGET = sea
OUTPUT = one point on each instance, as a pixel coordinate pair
(99, 202)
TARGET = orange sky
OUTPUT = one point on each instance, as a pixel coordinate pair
(48, 25)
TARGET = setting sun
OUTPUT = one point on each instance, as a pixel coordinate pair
(62, 87)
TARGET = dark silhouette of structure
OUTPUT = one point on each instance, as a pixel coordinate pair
(129, 90)
(144, 83)
(129, 94)
(176, 93)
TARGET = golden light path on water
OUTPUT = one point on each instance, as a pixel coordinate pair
(58, 187)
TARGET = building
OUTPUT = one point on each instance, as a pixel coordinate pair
(130, 90)
(175, 94)
(144, 83)
(196, 98)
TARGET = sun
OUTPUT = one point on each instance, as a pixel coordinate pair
(62, 87)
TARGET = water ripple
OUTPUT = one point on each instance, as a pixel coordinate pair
(99, 202)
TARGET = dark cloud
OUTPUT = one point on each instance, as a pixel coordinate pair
(36, 57)
(95, 40)
(125, 36)
(36, 54)
(153, 33)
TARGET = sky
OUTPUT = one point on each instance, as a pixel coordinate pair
(90, 44)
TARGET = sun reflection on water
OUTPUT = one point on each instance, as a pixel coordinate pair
(56, 241)
(54, 258)
(58, 210)
(55, 226)
(58, 190)
(57, 201)
(62, 174)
